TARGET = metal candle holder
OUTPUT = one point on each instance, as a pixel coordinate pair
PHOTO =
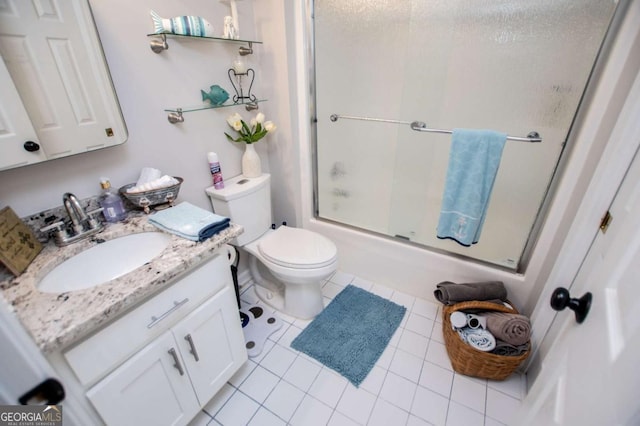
(240, 97)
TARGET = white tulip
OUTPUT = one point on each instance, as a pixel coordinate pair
(253, 122)
(260, 118)
(235, 121)
(269, 126)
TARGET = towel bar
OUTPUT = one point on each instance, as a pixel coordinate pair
(419, 126)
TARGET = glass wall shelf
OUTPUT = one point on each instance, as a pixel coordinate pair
(176, 114)
(158, 42)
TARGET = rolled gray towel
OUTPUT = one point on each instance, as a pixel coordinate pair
(503, 348)
(514, 329)
(450, 293)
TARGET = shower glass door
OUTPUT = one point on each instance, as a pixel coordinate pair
(511, 66)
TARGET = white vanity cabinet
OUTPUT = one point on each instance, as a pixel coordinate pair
(189, 343)
(147, 389)
(170, 379)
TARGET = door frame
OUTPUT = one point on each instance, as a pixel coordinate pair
(619, 96)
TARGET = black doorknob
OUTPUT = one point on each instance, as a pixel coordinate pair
(561, 298)
(31, 146)
(49, 392)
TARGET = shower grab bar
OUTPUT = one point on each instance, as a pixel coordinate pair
(419, 126)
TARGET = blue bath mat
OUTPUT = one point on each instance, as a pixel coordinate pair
(351, 333)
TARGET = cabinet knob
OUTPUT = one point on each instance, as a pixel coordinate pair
(31, 146)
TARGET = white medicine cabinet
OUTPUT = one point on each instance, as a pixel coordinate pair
(57, 96)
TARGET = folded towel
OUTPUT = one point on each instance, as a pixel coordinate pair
(478, 338)
(505, 349)
(162, 182)
(450, 293)
(189, 221)
(514, 329)
(473, 165)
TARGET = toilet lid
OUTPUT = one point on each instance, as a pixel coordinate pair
(299, 248)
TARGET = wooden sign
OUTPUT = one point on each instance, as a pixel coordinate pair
(18, 245)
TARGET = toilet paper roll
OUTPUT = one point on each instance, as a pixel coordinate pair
(231, 253)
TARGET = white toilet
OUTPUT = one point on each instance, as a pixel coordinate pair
(296, 260)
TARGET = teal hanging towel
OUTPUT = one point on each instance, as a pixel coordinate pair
(473, 165)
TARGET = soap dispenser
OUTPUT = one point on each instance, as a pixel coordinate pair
(113, 207)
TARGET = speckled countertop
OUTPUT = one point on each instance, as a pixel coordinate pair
(57, 320)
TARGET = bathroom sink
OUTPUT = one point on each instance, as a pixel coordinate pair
(104, 262)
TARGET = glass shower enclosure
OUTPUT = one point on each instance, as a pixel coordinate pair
(516, 66)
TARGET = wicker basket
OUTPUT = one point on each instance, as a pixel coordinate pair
(147, 199)
(470, 361)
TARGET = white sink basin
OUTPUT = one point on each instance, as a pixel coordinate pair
(104, 262)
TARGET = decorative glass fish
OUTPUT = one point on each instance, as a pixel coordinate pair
(216, 95)
(183, 25)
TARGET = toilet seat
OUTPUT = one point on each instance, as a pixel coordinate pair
(297, 248)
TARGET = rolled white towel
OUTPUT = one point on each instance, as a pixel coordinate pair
(163, 182)
(476, 321)
(478, 338)
(148, 174)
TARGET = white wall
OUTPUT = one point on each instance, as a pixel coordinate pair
(146, 83)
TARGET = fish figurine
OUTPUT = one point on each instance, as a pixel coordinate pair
(216, 95)
(183, 25)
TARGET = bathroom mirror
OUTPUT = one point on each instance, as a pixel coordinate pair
(57, 96)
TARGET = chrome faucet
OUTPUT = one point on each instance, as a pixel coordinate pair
(75, 211)
(83, 224)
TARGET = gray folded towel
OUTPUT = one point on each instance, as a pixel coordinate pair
(450, 293)
(505, 349)
(514, 329)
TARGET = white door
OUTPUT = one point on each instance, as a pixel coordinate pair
(152, 388)
(211, 343)
(591, 375)
(15, 126)
(23, 366)
(53, 66)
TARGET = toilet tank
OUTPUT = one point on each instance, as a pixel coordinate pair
(247, 202)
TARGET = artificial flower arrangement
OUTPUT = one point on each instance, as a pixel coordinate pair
(256, 130)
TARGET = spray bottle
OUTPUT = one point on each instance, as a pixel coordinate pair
(216, 172)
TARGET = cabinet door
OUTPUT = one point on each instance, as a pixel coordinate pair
(212, 343)
(147, 389)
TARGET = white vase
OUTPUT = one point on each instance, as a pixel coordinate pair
(251, 167)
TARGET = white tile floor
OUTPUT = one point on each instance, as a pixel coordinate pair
(411, 384)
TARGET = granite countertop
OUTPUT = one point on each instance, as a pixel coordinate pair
(57, 320)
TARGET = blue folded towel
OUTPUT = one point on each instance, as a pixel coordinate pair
(189, 221)
(473, 164)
